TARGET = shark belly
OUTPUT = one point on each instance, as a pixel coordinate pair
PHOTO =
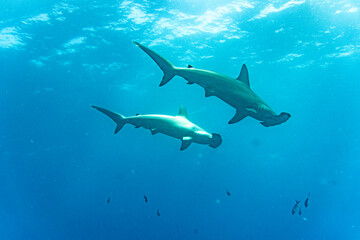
(227, 89)
(167, 125)
(247, 102)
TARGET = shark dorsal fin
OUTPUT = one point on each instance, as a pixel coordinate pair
(244, 76)
(183, 112)
(189, 66)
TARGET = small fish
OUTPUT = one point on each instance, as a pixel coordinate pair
(307, 201)
(228, 193)
(145, 198)
(295, 208)
(158, 212)
(108, 200)
(300, 211)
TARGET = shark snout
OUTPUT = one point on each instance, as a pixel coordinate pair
(284, 116)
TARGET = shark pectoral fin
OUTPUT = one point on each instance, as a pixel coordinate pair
(208, 93)
(154, 131)
(186, 141)
(238, 117)
(244, 76)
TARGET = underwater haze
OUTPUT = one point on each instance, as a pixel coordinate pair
(65, 175)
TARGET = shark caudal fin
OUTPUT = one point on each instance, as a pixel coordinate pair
(165, 65)
(279, 119)
(216, 140)
(117, 118)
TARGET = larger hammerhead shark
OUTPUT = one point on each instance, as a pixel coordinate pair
(235, 92)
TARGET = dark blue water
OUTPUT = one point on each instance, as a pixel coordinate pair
(60, 161)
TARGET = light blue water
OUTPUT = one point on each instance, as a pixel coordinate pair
(60, 160)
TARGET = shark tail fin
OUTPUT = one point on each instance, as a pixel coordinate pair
(117, 118)
(279, 119)
(165, 65)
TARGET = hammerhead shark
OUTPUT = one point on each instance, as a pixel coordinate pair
(235, 92)
(175, 126)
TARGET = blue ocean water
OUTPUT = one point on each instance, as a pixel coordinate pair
(65, 175)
